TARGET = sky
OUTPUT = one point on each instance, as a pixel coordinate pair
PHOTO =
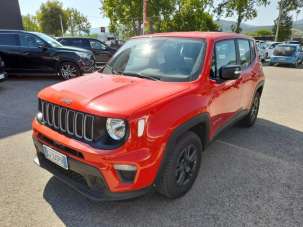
(91, 9)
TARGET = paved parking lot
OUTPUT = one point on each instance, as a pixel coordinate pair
(248, 176)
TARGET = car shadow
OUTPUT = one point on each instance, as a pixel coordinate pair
(230, 180)
(19, 102)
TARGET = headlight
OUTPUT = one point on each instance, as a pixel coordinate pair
(83, 55)
(116, 128)
(39, 117)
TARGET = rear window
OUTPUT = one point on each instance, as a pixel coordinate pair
(9, 39)
(284, 50)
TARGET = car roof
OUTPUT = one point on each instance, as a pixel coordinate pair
(201, 35)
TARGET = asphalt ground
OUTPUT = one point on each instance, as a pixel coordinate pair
(248, 177)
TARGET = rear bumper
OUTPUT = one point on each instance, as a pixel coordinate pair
(84, 178)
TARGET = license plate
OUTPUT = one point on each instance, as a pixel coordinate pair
(55, 157)
(2, 76)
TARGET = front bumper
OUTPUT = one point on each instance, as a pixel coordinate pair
(84, 178)
(3, 76)
(147, 160)
(87, 65)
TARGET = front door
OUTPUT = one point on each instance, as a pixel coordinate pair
(35, 55)
(101, 52)
(225, 101)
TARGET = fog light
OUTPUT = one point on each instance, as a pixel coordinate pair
(125, 167)
(39, 117)
(127, 173)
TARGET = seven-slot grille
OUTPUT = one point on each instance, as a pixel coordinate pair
(67, 121)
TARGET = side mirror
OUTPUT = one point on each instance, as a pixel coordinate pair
(230, 72)
(43, 47)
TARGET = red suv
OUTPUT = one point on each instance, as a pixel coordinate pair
(144, 121)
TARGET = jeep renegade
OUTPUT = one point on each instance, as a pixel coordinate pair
(144, 121)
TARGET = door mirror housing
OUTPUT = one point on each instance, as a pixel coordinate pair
(43, 46)
(230, 72)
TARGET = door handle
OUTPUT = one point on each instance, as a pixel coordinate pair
(25, 53)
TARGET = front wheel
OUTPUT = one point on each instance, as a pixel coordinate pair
(181, 167)
(69, 70)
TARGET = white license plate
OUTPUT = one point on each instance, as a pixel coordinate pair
(2, 76)
(55, 157)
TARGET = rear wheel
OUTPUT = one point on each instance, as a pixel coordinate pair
(182, 167)
(69, 70)
(251, 117)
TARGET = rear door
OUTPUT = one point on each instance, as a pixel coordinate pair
(10, 51)
(250, 67)
(226, 95)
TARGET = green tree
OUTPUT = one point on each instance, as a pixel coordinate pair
(76, 22)
(285, 25)
(242, 9)
(30, 23)
(163, 15)
(285, 7)
(51, 16)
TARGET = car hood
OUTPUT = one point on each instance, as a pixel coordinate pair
(111, 95)
(70, 48)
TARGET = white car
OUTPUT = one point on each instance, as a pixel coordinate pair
(269, 49)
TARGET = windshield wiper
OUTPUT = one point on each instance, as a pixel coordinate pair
(140, 75)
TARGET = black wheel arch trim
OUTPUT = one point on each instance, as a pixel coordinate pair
(201, 119)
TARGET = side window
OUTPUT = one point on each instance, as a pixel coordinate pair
(30, 41)
(9, 39)
(224, 54)
(244, 51)
(97, 45)
(253, 50)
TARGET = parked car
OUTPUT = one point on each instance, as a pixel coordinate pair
(3, 74)
(144, 121)
(101, 51)
(261, 47)
(287, 54)
(29, 53)
(293, 42)
(269, 49)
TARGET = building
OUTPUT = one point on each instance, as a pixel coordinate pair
(10, 15)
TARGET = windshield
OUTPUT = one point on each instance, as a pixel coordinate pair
(163, 58)
(284, 51)
(49, 40)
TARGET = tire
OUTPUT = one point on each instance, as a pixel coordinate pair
(295, 65)
(181, 168)
(69, 70)
(250, 119)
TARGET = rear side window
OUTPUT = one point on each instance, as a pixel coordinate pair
(245, 54)
(225, 54)
(9, 39)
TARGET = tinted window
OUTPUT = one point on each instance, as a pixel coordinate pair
(97, 45)
(225, 54)
(284, 50)
(30, 41)
(244, 51)
(9, 39)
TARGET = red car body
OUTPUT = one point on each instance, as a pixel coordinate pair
(168, 109)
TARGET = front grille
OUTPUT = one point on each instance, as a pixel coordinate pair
(67, 121)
